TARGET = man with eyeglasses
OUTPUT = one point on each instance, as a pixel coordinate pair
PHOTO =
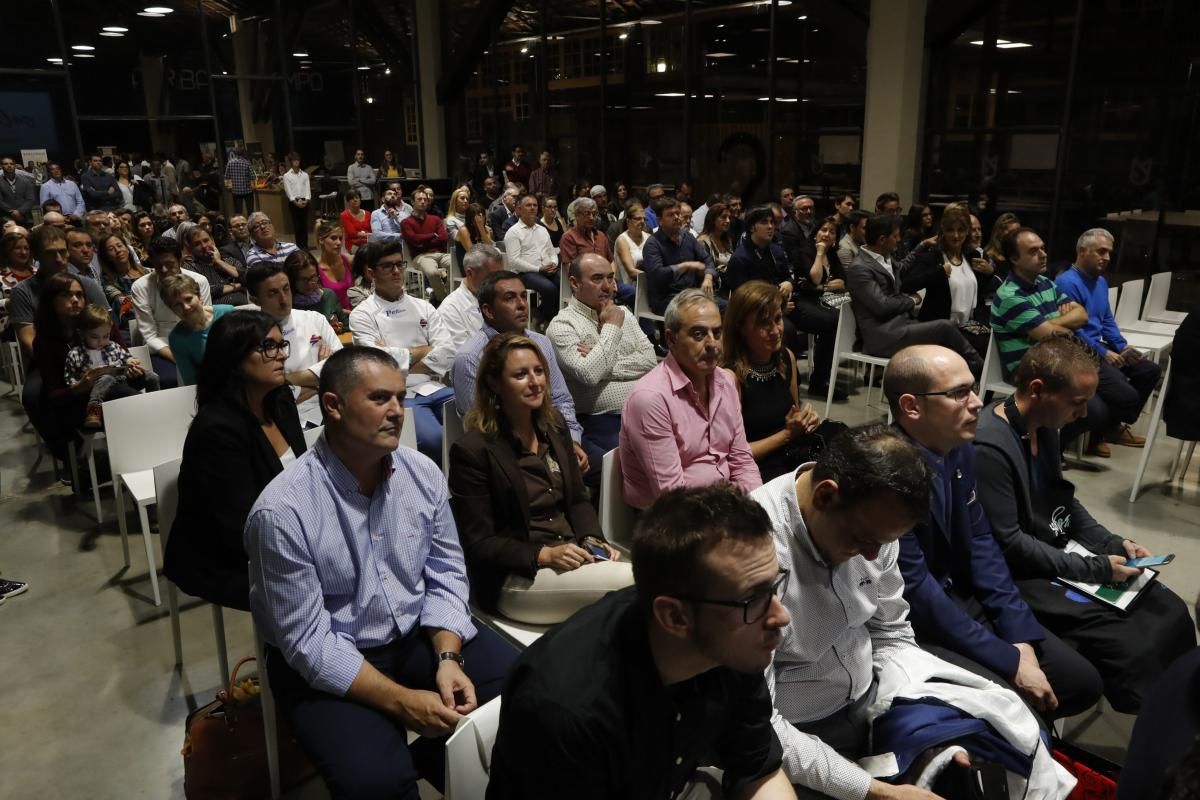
(154, 318)
(965, 605)
(836, 524)
(266, 247)
(239, 244)
(405, 326)
(633, 693)
(1030, 505)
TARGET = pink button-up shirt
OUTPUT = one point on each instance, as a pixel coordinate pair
(668, 440)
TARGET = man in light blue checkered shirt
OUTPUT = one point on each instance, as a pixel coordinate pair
(358, 587)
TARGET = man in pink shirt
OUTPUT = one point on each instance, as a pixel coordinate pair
(682, 422)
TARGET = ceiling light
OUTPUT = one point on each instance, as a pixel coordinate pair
(802, 17)
(721, 25)
(387, 71)
(115, 29)
(54, 60)
(85, 55)
(149, 14)
(623, 36)
(82, 47)
(719, 55)
(158, 10)
(1012, 45)
(370, 99)
(300, 54)
(112, 34)
(662, 66)
(524, 49)
(669, 94)
(363, 68)
(652, 22)
(979, 42)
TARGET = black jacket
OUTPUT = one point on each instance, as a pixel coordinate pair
(227, 462)
(1181, 409)
(928, 272)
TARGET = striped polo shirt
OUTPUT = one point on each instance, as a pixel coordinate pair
(1018, 308)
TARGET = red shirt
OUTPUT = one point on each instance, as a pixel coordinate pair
(356, 232)
(573, 243)
(425, 235)
(518, 173)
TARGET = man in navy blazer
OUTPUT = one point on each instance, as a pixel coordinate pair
(963, 599)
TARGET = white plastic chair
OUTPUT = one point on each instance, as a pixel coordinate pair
(312, 434)
(993, 373)
(452, 431)
(1179, 464)
(641, 300)
(616, 516)
(14, 367)
(456, 273)
(411, 271)
(1113, 292)
(270, 729)
(408, 434)
(564, 287)
(1128, 313)
(843, 350)
(469, 753)
(1156, 301)
(1151, 345)
(143, 431)
(142, 353)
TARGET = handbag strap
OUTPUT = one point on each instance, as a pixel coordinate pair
(233, 675)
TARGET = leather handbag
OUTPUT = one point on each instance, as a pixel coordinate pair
(225, 751)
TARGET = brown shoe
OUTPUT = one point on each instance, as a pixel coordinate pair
(93, 421)
(1099, 449)
(1126, 437)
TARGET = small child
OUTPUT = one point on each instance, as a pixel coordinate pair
(95, 349)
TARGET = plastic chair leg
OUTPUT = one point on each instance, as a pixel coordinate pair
(90, 446)
(268, 707)
(173, 612)
(832, 385)
(1175, 462)
(222, 651)
(121, 523)
(150, 559)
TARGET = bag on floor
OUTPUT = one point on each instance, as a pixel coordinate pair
(225, 750)
(1097, 777)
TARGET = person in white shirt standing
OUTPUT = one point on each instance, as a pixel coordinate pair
(310, 339)
(299, 191)
(154, 318)
(529, 252)
(406, 327)
(458, 317)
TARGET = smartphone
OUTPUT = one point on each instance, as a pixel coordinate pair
(1150, 561)
(599, 552)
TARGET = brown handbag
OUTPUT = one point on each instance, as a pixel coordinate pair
(225, 751)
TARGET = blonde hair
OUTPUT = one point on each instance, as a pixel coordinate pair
(325, 227)
(93, 317)
(486, 414)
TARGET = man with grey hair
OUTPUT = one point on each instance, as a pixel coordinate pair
(458, 317)
(542, 181)
(585, 237)
(682, 422)
(176, 215)
(502, 211)
(1126, 378)
(266, 247)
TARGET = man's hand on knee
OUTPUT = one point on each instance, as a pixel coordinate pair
(425, 713)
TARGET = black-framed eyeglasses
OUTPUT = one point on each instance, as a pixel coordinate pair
(390, 266)
(753, 608)
(958, 394)
(271, 348)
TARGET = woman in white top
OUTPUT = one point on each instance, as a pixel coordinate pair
(456, 216)
(715, 236)
(630, 243)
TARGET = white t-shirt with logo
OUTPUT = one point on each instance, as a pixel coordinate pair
(396, 327)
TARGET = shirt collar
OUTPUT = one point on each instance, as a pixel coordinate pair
(585, 310)
(881, 259)
(343, 480)
(679, 379)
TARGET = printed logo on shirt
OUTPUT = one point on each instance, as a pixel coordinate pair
(393, 312)
(424, 323)
(314, 339)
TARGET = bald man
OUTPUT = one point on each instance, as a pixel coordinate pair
(965, 606)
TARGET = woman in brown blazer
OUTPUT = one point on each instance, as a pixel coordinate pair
(534, 549)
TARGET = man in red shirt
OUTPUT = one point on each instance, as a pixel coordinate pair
(517, 170)
(583, 238)
(426, 236)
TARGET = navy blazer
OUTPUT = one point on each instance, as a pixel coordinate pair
(955, 546)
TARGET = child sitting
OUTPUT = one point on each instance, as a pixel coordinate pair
(95, 349)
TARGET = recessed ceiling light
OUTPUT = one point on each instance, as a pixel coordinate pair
(113, 34)
(82, 47)
(719, 55)
(158, 10)
(623, 36)
(54, 60)
(387, 71)
(661, 67)
(149, 14)
(363, 68)
(85, 55)
(802, 17)
(1012, 45)
(115, 29)
(300, 54)
(652, 22)
(669, 94)
(370, 99)
(524, 49)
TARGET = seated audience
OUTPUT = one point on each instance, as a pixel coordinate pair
(504, 310)
(245, 432)
(307, 292)
(333, 263)
(309, 335)
(602, 352)
(884, 313)
(715, 236)
(584, 237)
(631, 243)
(356, 222)
(528, 252)
(118, 273)
(682, 421)
(81, 253)
(965, 605)
(405, 326)
(756, 257)
(820, 292)
(1034, 513)
(473, 231)
(918, 226)
(501, 214)
(534, 549)
(57, 325)
(189, 339)
(266, 247)
(426, 237)
(551, 221)
(954, 283)
(458, 317)
(386, 220)
(888, 203)
(95, 346)
(202, 256)
(673, 260)
(237, 249)
(456, 215)
(155, 319)
(1126, 377)
(843, 207)
(633, 693)
(361, 657)
(796, 235)
(782, 432)
(1004, 226)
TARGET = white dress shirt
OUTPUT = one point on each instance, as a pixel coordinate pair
(527, 248)
(848, 621)
(155, 319)
(306, 332)
(457, 319)
(297, 184)
(399, 325)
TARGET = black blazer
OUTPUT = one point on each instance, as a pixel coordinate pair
(928, 272)
(227, 462)
(491, 509)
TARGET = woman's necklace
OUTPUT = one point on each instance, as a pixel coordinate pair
(762, 373)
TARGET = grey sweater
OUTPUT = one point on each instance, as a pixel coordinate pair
(1005, 490)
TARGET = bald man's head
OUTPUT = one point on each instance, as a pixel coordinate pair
(930, 390)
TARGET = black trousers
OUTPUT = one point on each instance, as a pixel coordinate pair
(1128, 651)
(938, 331)
(243, 204)
(1120, 397)
(299, 224)
(361, 753)
(168, 374)
(810, 316)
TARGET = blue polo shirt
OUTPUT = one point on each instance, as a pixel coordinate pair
(1101, 331)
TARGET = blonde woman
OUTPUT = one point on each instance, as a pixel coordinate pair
(533, 545)
(456, 215)
(332, 263)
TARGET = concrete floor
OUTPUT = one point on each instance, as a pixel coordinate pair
(94, 709)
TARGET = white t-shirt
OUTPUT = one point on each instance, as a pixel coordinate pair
(305, 332)
(399, 325)
(964, 292)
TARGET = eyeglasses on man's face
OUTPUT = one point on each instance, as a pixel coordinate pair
(958, 394)
(271, 348)
(390, 266)
(755, 607)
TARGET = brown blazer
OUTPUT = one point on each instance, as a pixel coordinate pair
(491, 509)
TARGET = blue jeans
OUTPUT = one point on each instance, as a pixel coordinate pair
(426, 415)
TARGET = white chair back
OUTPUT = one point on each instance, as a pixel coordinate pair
(166, 489)
(564, 285)
(1151, 434)
(1156, 298)
(1113, 292)
(993, 372)
(641, 300)
(452, 431)
(311, 435)
(456, 273)
(408, 432)
(616, 516)
(147, 429)
(469, 753)
(1129, 306)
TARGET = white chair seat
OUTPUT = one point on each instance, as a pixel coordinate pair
(1151, 345)
(1166, 317)
(140, 485)
(524, 633)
